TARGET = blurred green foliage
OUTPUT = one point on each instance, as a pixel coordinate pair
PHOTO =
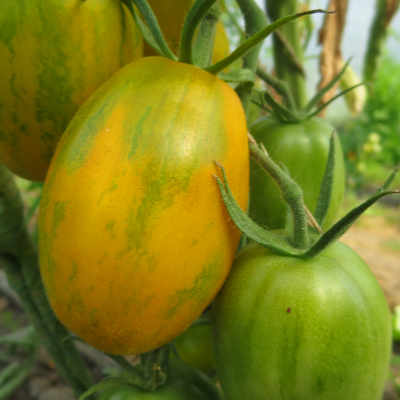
(371, 141)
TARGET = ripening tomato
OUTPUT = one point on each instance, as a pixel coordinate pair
(54, 54)
(131, 219)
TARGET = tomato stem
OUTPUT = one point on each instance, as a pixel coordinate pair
(385, 11)
(291, 192)
(288, 50)
(255, 20)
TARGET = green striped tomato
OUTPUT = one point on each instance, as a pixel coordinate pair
(54, 54)
(302, 329)
(131, 218)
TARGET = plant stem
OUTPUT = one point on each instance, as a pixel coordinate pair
(21, 266)
(288, 71)
(378, 33)
(291, 192)
(255, 20)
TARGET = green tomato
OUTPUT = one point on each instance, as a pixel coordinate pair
(178, 390)
(302, 329)
(303, 148)
(196, 347)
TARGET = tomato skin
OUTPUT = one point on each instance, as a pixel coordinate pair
(50, 55)
(303, 148)
(292, 329)
(195, 347)
(177, 390)
(131, 218)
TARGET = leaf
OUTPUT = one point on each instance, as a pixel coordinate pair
(325, 193)
(255, 39)
(238, 75)
(246, 225)
(344, 224)
(330, 37)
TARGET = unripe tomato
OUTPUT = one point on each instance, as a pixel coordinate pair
(131, 220)
(303, 149)
(54, 54)
(195, 347)
(302, 329)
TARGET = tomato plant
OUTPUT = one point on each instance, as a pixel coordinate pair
(50, 54)
(145, 243)
(302, 329)
(302, 147)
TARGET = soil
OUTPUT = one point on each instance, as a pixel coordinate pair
(376, 238)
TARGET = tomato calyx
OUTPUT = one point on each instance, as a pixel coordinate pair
(154, 37)
(299, 240)
(288, 112)
(155, 372)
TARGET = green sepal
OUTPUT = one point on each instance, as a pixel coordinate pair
(321, 93)
(334, 98)
(151, 31)
(192, 20)
(257, 98)
(155, 367)
(389, 180)
(242, 75)
(340, 227)
(268, 239)
(105, 384)
(280, 245)
(325, 194)
(255, 39)
(280, 86)
(281, 112)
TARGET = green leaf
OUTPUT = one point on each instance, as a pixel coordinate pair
(242, 75)
(334, 98)
(282, 113)
(152, 32)
(192, 20)
(388, 181)
(325, 194)
(320, 94)
(248, 44)
(246, 225)
(344, 224)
